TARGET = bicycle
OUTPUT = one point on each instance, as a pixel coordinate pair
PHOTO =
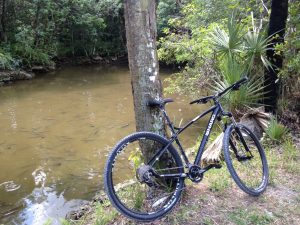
(151, 183)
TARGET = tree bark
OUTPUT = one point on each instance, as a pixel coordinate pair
(140, 22)
(278, 17)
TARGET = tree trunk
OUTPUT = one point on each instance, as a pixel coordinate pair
(140, 22)
(278, 17)
(36, 23)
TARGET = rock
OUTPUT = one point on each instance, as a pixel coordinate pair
(77, 214)
(39, 69)
(97, 58)
(25, 76)
(43, 69)
(52, 67)
(99, 198)
(86, 208)
(8, 76)
(73, 215)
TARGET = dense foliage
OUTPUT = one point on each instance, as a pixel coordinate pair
(290, 73)
(216, 42)
(36, 32)
(39, 32)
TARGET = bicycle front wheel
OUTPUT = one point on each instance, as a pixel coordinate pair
(245, 159)
(141, 188)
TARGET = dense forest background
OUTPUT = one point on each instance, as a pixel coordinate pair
(209, 40)
(39, 32)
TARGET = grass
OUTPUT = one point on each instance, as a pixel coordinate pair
(290, 156)
(219, 180)
(104, 214)
(218, 200)
(139, 197)
(244, 217)
(48, 222)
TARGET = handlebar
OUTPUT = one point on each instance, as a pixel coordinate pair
(234, 87)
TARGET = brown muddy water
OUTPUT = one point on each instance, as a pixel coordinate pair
(56, 132)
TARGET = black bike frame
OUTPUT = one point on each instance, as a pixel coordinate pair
(215, 110)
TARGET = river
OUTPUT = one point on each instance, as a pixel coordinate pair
(56, 132)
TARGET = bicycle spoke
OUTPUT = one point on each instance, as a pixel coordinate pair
(137, 185)
(245, 160)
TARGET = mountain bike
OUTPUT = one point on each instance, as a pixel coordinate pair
(144, 174)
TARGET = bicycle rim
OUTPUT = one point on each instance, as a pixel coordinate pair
(133, 188)
(247, 166)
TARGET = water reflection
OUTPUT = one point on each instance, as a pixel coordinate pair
(12, 112)
(39, 177)
(45, 204)
(56, 132)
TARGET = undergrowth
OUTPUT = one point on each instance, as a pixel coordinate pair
(218, 200)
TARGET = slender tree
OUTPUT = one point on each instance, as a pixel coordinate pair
(140, 22)
(2, 20)
(278, 17)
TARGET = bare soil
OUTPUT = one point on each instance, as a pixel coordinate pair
(218, 200)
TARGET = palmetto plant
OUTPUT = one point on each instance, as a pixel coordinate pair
(255, 47)
(247, 47)
(241, 53)
(249, 94)
(276, 131)
(228, 44)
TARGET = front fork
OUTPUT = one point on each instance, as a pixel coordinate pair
(240, 135)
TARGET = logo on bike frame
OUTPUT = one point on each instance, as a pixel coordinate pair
(210, 124)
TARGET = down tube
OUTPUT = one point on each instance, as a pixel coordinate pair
(206, 134)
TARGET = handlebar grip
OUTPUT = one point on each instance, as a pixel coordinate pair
(236, 86)
(195, 101)
(203, 100)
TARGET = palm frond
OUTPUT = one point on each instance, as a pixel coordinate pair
(249, 94)
(255, 46)
(228, 44)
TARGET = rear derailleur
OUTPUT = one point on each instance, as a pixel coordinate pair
(145, 174)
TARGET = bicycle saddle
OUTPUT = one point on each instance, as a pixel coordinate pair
(161, 102)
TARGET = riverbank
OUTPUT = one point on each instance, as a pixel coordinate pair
(28, 73)
(9, 76)
(213, 202)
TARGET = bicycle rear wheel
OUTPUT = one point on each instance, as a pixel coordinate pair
(133, 185)
(245, 159)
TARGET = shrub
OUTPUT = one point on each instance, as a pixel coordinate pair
(31, 56)
(6, 60)
(276, 131)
